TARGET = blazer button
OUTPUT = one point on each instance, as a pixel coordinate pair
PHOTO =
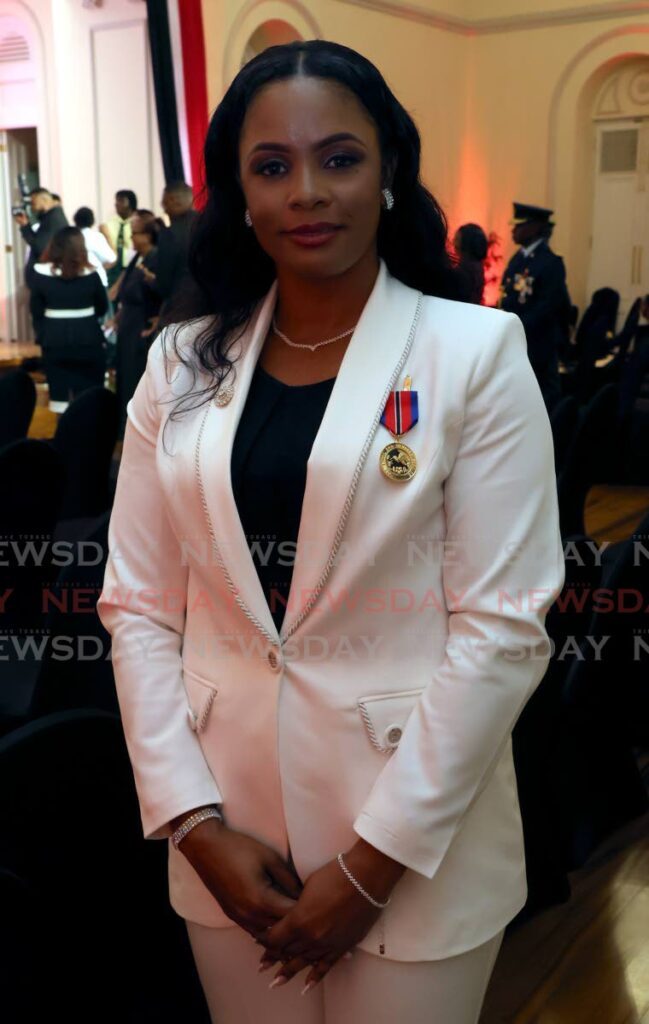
(273, 659)
(393, 735)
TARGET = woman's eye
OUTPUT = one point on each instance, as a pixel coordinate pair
(264, 169)
(344, 156)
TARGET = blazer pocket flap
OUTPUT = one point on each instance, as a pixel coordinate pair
(200, 697)
(385, 715)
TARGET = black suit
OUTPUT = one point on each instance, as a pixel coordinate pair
(172, 272)
(38, 241)
(534, 287)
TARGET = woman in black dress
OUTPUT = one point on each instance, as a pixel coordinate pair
(138, 306)
(67, 300)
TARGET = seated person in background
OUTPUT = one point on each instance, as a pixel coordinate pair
(100, 254)
(634, 339)
(67, 300)
(471, 245)
(597, 327)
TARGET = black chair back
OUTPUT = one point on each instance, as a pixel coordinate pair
(85, 438)
(589, 460)
(605, 705)
(109, 946)
(33, 480)
(563, 420)
(85, 681)
(17, 403)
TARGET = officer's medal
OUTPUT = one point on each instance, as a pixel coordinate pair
(397, 460)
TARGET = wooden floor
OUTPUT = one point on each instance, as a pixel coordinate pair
(585, 961)
(612, 513)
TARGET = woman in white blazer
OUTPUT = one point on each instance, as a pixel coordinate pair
(366, 709)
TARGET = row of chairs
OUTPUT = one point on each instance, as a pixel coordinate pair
(586, 450)
(576, 741)
(86, 930)
(84, 440)
(579, 742)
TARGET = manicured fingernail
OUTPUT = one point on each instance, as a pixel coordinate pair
(309, 985)
(264, 966)
(281, 979)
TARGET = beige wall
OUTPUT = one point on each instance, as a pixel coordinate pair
(93, 107)
(501, 91)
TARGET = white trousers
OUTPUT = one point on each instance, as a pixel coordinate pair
(367, 988)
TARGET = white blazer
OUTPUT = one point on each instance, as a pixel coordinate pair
(413, 637)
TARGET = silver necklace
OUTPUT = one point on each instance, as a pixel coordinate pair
(312, 348)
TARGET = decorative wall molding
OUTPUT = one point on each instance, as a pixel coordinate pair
(251, 16)
(507, 23)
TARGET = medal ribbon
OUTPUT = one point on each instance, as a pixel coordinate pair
(401, 412)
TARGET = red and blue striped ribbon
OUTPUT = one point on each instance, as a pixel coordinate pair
(401, 412)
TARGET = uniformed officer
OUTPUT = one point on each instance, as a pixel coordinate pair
(534, 287)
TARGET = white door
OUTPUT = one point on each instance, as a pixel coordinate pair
(15, 321)
(620, 239)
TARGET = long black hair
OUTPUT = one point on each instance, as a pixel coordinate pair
(230, 270)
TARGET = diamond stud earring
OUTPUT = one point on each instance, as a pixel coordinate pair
(248, 219)
(389, 198)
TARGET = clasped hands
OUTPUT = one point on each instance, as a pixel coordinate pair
(329, 917)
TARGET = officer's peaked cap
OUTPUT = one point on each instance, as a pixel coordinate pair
(523, 213)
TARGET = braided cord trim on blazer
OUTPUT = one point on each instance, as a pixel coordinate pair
(202, 721)
(370, 728)
(228, 579)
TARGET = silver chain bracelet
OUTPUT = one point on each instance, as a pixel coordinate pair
(194, 819)
(375, 903)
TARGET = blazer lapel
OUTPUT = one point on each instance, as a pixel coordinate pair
(368, 372)
(212, 463)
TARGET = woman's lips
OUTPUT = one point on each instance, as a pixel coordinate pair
(312, 239)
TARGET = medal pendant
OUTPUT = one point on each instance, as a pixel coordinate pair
(398, 461)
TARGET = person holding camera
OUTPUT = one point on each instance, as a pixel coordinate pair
(50, 219)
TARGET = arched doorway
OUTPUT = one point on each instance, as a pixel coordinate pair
(578, 93)
(263, 23)
(271, 33)
(619, 251)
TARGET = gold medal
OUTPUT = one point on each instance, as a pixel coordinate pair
(398, 461)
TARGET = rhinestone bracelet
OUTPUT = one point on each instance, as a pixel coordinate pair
(375, 903)
(193, 820)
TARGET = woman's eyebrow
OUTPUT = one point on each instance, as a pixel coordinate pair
(337, 137)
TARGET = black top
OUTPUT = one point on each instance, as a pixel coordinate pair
(54, 292)
(273, 442)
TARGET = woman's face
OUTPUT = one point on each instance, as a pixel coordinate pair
(141, 241)
(290, 176)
